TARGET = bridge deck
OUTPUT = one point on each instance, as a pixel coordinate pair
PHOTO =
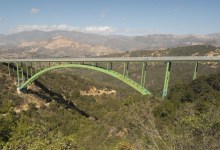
(121, 59)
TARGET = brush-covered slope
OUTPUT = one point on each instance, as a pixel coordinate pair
(57, 116)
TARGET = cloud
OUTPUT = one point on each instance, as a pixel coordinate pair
(105, 30)
(1, 19)
(34, 10)
(64, 27)
(98, 29)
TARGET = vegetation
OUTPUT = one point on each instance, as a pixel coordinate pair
(64, 119)
(197, 50)
(191, 116)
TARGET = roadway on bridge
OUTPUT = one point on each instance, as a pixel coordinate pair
(121, 59)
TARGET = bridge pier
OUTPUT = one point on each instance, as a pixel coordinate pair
(22, 75)
(94, 64)
(166, 80)
(27, 69)
(109, 66)
(9, 71)
(195, 71)
(13, 67)
(143, 73)
(126, 67)
(35, 67)
(31, 69)
(18, 76)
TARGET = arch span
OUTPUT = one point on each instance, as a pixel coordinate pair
(112, 73)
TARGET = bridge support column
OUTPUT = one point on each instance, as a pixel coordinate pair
(22, 75)
(143, 74)
(195, 71)
(35, 67)
(27, 70)
(13, 67)
(9, 71)
(126, 66)
(38, 67)
(18, 77)
(31, 69)
(109, 66)
(22, 72)
(94, 64)
(166, 80)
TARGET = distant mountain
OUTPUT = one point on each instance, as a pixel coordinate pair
(95, 45)
(193, 50)
(55, 47)
(155, 41)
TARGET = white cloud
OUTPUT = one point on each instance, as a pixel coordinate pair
(34, 10)
(64, 27)
(106, 30)
(98, 29)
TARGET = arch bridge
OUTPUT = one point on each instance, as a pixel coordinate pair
(28, 70)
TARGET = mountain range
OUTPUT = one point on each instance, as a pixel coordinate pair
(78, 44)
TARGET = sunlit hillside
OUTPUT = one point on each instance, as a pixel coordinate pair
(67, 108)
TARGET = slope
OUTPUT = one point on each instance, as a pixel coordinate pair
(188, 119)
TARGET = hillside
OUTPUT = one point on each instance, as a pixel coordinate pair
(180, 71)
(67, 108)
(196, 50)
(38, 44)
(60, 117)
(55, 47)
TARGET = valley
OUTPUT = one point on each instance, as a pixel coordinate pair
(89, 107)
(109, 75)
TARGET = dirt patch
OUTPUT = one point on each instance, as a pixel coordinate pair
(95, 92)
(214, 53)
(29, 98)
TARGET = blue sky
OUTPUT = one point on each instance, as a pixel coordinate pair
(126, 17)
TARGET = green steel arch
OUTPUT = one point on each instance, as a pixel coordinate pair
(115, 74)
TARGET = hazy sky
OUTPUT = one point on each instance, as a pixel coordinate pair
(127, 17)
